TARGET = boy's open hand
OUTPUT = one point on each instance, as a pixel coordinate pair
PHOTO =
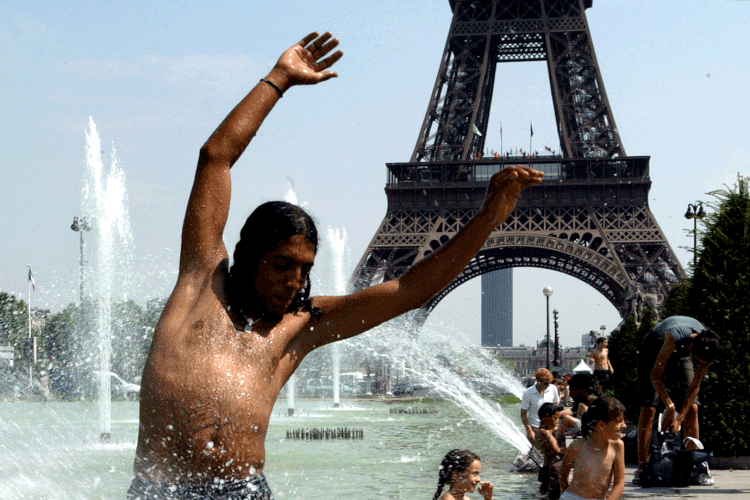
(506, 187)
(307, 62)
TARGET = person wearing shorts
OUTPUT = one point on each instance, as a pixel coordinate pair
(667, 358)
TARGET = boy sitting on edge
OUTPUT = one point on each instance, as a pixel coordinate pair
(549, 416)
(599, 458)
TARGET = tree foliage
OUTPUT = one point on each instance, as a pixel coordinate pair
(623, 351)
(720, 298)
(13, 321)
(68, 347)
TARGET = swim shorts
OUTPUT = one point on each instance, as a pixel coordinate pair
(573, 496)
(602, 376)
(677, 377)
(253, 488)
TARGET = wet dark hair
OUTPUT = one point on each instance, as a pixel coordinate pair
(601, 340)
(603, 409)
(265, 228)
(454, 461)
(706, 345)
(548, 409)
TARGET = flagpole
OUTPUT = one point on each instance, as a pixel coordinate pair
(502, 151)
(531, 134)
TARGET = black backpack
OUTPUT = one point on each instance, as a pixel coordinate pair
(670, 463)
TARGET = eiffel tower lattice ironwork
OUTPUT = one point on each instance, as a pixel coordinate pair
(589, 218)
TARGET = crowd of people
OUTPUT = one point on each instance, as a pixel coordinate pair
(672, 361)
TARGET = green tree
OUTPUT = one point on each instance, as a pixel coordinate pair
(128, 322)
(720, 298)
(623, 352)
(13, 322)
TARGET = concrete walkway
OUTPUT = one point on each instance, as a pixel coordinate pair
(729, 484)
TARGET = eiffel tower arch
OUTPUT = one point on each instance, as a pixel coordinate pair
(589, 218)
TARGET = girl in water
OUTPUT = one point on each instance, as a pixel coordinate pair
(461, 469)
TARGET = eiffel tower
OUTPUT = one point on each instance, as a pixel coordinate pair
(589, 218)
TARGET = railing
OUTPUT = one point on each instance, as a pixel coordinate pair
(555, 168)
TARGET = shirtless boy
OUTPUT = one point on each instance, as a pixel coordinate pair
(547, 442)
(600, 358)
(598, 459)
(229, 338)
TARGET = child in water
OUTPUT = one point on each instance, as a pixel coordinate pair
(599, 458)
(460, 469)
(545, 440)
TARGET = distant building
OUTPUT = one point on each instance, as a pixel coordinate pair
(497, 308)
(527, 360)
(588, 339)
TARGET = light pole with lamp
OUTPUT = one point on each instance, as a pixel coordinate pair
(79, 226)
(547, 291)
(695, 212)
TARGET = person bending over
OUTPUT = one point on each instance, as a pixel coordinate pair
(229, 338)
(666, 372)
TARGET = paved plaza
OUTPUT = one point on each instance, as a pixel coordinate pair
(728, 484)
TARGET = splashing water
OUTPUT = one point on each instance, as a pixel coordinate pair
(435, 360)
(336, 241)
(104, 201)
(452, 371)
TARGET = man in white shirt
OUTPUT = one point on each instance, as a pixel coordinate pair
(544, 391)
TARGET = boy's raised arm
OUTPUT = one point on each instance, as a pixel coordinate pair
(304, 63)
(353, 314)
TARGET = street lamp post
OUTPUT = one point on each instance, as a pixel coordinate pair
(695, 212)
(547, 291)
(79, 226)
(558, 352)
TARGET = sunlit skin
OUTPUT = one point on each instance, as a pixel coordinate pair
(600, 357)
(209, 386)
(597, 461)
(467, 481)
(546, 440)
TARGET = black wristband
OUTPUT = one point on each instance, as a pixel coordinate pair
(269, 82)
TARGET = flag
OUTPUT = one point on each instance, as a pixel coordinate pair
(31, 279)
(531, 127)
(476, 130)
(548, 148)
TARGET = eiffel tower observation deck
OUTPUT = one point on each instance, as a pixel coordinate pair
(590, 217)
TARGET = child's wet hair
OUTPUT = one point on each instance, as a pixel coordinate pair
(603, 409)
(454, 461)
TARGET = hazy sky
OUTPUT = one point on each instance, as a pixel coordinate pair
(158, 77)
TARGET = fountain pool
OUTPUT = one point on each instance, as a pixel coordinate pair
(52, 451)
